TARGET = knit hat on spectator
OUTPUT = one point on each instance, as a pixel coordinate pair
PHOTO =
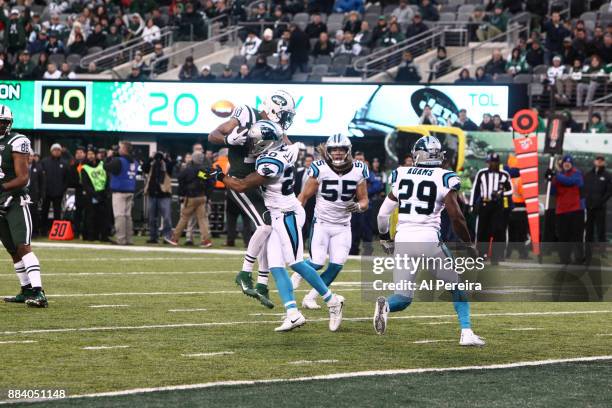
(197, 158)
(568, 159)
(15, 11)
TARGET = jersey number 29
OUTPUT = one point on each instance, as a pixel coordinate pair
(426, 192)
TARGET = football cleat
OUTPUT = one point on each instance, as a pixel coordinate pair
(296, 278)
(21, 297)
(245, 281)
(170, 241)
(310, 301)
(468, 338)
(264, 295)
(335, 305)
(381, 314)
(37, 300)
(291, 322)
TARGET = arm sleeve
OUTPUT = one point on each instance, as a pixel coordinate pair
(386, 209)
(574, 179)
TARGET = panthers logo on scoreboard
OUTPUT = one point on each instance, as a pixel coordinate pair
(63, 105)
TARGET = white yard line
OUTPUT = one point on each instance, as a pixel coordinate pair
(525, 328)
(342, 375)
(150, 273)
(211, 292)
(234, 323)
(306, 362)
(218, 353)
(136, 259)
(436, 323)
(604, 334)
(186, 310)
(103, 347)
(266, 314)
(106, 306)
(430, 341)
(19, 342)
(137, 248)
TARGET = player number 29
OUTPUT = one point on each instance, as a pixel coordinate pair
(426, 193)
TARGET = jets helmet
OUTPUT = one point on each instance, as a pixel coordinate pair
(338, 141)
(427, 151)
(263, 136)
(6, 120)
(280, 108)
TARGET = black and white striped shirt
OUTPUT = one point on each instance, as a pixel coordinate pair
(488, 182)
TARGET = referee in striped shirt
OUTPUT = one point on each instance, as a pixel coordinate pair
(491, 186)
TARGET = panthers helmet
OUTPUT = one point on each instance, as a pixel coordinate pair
(263, 136)
(338, 141)
(279, 107)
(427, 151)
(6, 120)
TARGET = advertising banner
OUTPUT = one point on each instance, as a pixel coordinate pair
(194, 108)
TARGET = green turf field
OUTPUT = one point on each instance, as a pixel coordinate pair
(121, 320)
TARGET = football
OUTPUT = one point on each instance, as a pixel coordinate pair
(222, 108)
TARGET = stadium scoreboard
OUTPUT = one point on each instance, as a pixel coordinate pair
(198, 108)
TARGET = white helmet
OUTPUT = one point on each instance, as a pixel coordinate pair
(6, 120)
(338, 141)
(427, 151)
(263, 136)
(280, 108)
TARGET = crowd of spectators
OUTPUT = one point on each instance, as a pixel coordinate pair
(37, 43)
(571, 58)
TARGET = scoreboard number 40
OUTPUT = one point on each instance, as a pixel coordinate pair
(63, 105)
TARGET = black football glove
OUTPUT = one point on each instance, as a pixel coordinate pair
(218, 173)
(549, 174)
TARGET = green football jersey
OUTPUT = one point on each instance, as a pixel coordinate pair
(13, 143)
(241, 164)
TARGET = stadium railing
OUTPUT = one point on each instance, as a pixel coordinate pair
(229, 37)
(467, 57)
(385, 58)
(125, 52)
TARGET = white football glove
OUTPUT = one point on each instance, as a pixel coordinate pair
(236, 138)
(354, 207)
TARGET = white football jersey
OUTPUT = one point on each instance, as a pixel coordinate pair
(277, 166)
(420, 192)
(336, 191)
